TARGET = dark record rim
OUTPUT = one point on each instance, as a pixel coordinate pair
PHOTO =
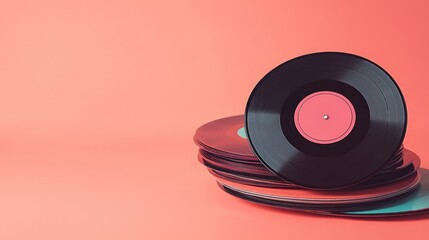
(380, 127)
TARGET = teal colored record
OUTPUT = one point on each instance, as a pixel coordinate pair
(417, 201)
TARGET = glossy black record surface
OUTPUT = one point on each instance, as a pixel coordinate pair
(377, 134)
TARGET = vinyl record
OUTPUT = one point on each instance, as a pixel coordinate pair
(252, 181)
(236, 159)
(326, 120)
(237, 165)
(335, 208)
(302, 196)
(234, 169)
(225, 137)
(410, 164)
(254, 172)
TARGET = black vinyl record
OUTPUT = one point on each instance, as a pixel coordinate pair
(364, 94)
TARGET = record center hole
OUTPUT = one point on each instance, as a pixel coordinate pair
(326, 116)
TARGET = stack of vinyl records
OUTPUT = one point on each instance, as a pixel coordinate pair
(321, 133)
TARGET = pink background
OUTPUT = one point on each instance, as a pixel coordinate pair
(99, 101)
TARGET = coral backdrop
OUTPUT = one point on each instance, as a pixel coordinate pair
(99, 101)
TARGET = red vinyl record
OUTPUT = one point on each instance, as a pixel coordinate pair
(225, 137)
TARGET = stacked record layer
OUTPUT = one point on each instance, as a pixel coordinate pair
(225, 151)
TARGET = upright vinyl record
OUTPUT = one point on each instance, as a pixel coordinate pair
(326, 120)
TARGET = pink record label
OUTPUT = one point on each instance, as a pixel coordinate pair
(325, 117)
